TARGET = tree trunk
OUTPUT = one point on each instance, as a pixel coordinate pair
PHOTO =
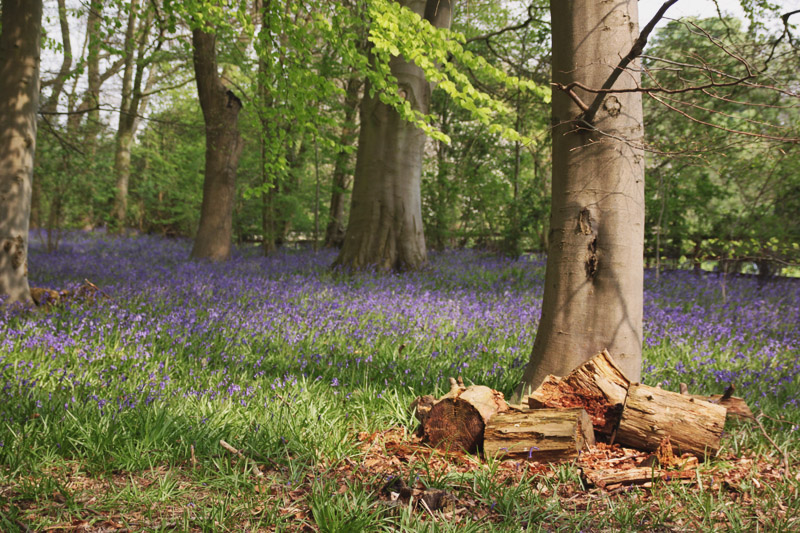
(133, 103)
(593, 295)
(19, 100)
(66, 62)
(91, 101)
(223, 148)
(334, 233)
(385, 228)
(597, 386)
(457, 420)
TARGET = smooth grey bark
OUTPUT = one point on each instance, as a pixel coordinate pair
(593, 295)
(19, 101)
(385, 227)
(223, 148)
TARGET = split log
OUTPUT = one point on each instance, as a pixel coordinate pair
(650, 414)
(611, 478)
(598, 386)
(544, 435)
(457, 420)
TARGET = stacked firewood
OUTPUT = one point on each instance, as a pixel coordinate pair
(566, 415)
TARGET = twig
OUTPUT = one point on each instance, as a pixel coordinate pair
(722, 128)
(774, 444)
(522, 25)
(425, 506)
(238, 453)
(98, 289)
(194, 459)
(779, 420)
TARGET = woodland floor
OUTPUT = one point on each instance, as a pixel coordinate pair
(113, 405)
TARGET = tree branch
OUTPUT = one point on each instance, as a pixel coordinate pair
(636, 51)
(515, 27)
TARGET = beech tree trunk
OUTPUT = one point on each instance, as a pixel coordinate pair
(19, 100)
(593, 295)
(223, 148)
(385, 228)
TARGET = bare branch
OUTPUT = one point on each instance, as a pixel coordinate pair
(636, 51)
(515, 27)
(717, 126)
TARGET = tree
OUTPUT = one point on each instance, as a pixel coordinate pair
(19, 99)
(593, 296)
(385, 227)
(223, 147)
(133, 102)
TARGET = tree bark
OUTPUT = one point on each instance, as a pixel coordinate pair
(19, 101)
(223, 148)
(385, 228)
(593, 295)
(457, 420)
(650, 414)
(598, 386)
(335, 232)
(66, 62)
(133, 103)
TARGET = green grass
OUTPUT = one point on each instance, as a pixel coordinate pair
(305, 402)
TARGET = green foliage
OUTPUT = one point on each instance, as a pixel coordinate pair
(720, 183)
(482, 189)
(440, 53)
(168, 161)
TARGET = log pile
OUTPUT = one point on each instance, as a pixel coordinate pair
(563, 417)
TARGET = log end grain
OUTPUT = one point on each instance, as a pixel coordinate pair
(458, 421)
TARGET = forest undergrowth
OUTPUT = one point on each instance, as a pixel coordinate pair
(113, 405)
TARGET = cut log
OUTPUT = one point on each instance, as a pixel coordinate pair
(650, 414)
(544, 435)
(598, 386)
(458, 419)
(737, 407)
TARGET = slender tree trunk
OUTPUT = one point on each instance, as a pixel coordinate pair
(334, 233)
(124, 137)
(51, 105)
(385, 228)
(92, 98)
(223, 148)
(593, 285)
(133, 103)
(66, 62)
(19, 100)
